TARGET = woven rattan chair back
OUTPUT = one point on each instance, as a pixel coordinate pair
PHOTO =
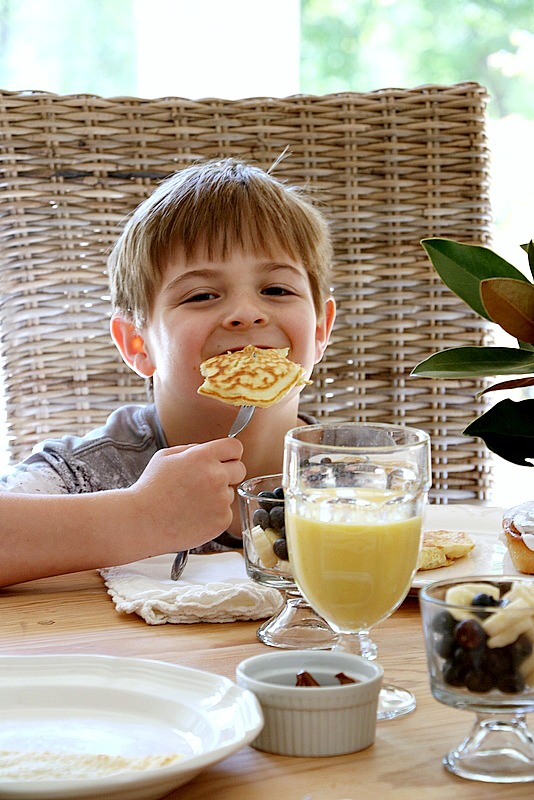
(388, 167)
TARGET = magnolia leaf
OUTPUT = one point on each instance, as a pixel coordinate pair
(518, 383)
(467, 362)
(463, 266)
(508, 430)
(529, 249)
(510, 304)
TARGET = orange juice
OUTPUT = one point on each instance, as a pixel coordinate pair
(354, 575)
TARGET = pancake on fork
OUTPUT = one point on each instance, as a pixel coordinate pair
(251, 377)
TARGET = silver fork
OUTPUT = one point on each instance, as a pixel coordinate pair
(244, 415)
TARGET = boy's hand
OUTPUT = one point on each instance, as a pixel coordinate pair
(186, 492)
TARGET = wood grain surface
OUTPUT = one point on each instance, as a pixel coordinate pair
(74, 614)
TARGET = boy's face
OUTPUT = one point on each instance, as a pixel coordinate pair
(204, 308)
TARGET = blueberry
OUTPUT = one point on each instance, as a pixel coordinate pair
(485, 601)
(446, 645)
(498, 661)
(280, 549)
(513, 683)
(279, 492)
(261, 517)
(477, 681)
(462, 659)
(453, 674)
(267, 498)
(443, 622)
(520, 649)
(276, 517)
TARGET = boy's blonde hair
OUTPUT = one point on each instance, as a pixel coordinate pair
(213, 208)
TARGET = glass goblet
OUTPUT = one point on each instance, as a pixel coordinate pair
(296, 625)
(355, 495)
(479, 637)
(394, 701)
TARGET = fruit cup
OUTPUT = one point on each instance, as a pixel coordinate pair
(296, 625)
(479, 636)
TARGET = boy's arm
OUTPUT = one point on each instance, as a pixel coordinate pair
(182, 500)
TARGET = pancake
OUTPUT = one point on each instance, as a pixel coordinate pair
(442, 548)
(251, 377)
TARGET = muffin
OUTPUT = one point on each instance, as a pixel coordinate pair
(518, 529)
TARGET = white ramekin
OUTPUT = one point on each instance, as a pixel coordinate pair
(328, 720)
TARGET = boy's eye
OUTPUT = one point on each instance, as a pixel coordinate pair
(276, 290)
(200, 297)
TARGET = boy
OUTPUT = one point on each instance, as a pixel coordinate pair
(221, 255)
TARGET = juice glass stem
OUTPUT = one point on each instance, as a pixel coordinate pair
(296, 626)
(393, 701)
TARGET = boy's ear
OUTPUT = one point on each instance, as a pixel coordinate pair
(131, 345)
(324, 328)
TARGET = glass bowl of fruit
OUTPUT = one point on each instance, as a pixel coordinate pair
(479, 637)
(296, 625)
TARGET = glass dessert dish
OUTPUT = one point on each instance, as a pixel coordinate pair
(479, 635)
(355, 495)
(296, 625)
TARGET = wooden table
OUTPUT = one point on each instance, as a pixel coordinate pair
(74, 614)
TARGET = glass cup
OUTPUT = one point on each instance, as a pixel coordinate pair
(479, 637)
(296, 625)
(355, 495)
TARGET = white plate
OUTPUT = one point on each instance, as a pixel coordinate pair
(126, 706)
(483, 524)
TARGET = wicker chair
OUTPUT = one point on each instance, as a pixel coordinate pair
(389, 168)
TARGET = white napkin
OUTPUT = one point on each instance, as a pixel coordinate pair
(212, 588)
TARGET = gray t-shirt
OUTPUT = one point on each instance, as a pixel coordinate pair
(111, 457)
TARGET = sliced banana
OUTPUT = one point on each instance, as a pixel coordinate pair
(263, 547)
(462, 595)
(509, 634)
(505, 625)
(523, 590)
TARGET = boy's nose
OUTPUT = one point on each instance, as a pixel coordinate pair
(246, 315)
(240, 321)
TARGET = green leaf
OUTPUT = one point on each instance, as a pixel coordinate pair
(508, 430)
(462, 267)
(466, 362)
(510, 304)
(529, 250)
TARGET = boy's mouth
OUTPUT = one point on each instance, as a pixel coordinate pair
(237, 349)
